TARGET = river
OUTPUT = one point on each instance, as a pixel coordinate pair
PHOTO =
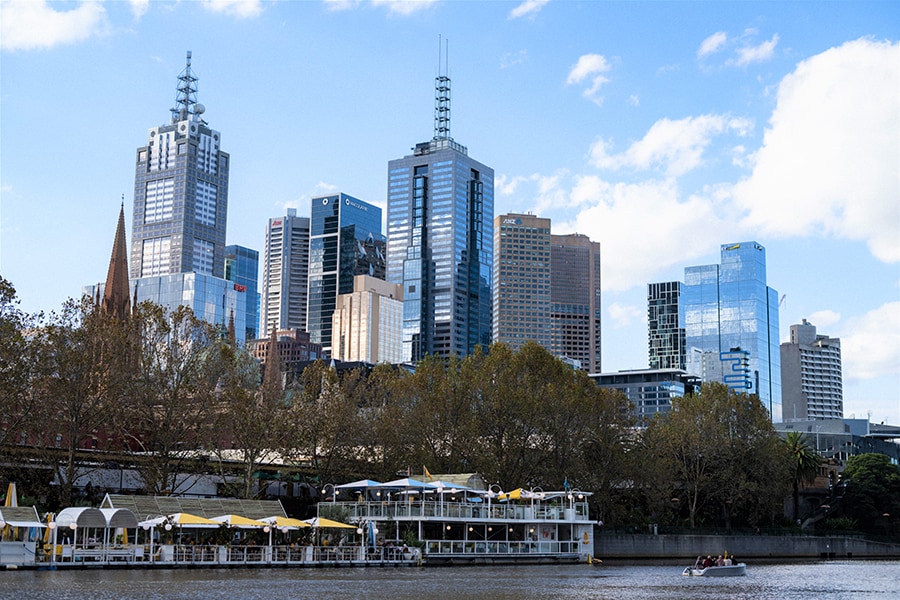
(825, 580)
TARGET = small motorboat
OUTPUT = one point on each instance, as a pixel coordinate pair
(725, 571)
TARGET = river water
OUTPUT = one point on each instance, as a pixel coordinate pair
(826, 580)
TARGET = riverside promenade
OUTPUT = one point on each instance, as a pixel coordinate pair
(643, 546)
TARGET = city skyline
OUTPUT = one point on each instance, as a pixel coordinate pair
(770, 121)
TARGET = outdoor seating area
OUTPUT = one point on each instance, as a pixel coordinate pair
(260, 534)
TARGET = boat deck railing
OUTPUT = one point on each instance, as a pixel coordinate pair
(499, 548)
(412, 510)
(175, 555)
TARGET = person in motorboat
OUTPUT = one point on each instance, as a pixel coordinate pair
(698, 564)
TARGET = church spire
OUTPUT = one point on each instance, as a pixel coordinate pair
(116, 294)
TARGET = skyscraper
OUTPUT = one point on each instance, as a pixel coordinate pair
(440, 235)
(285, 283)
(180, 210)
(521, 280)
(665, 335)
(344, 240)
(180, 193)
(811, 375)
(727, 310)
(242, 267)
(367, 322)
(575, 310)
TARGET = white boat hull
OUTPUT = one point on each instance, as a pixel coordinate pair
(726, 571)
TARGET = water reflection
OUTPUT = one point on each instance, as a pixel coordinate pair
(823, 580)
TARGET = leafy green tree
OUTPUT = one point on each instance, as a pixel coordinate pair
(82, 389)
(804, 465)
(171, 394)
(871, 491)
(723, 454)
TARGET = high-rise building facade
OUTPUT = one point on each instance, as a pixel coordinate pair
(440, 236)
(180, 211)
(811, 375)
(665, 335)
(575, 309)
(285, 282)
(368, 322)
(242, 267)
(728, 308)
(345, 240)
(180, 193)
(650, 391)
(521, 280)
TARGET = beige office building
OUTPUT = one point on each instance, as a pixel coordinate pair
(367, 323)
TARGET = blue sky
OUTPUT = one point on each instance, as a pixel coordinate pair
(659, 129)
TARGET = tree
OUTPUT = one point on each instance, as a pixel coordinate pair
(82, 389)
(171, 394)
(871, 491)
(723, 455)
(804, 465)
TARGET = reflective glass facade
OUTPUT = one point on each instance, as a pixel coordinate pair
(729, 306)
(665, 335)
(440, 248)
(345, 240)
(242, 267)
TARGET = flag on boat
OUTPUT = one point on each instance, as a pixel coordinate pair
(566, 484)
(427, 474)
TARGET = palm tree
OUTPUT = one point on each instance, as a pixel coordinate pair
(804, 464)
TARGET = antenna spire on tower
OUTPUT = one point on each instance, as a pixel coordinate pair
(442, 97)
(186, 96)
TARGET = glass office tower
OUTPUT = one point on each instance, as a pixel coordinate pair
(440, 242)
(665, 335)
(242, 267)
(728, 308)
(345, 240)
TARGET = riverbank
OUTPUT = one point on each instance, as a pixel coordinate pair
(688, 547)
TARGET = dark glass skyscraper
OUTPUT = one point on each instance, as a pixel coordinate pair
(665, 335)
(575, 308)
(345, 240)
(728, 309)
(440, 242)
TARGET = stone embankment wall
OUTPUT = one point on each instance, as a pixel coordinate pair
(744, 547)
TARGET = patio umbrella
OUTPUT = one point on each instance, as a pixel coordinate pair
(280, 522)
(189, 520)
(239, 521)
(324, 523)
(11, 499)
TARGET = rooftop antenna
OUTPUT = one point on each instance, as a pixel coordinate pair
(186, 96)
(442, 96)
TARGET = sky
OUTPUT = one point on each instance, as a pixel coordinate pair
(661, 130)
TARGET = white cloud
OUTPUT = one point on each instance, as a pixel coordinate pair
(830, 160)
(673, 230)
(336, 5)
(242, 9)
(404, 7)
(589, 67)
(30, 24)
(527, 8)
(870, 343)
(139, 7)
(712, 44)
(623, 315)
(513, 58)
(675, 146)
(634, 100)
(754, 54)
(824, 318)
